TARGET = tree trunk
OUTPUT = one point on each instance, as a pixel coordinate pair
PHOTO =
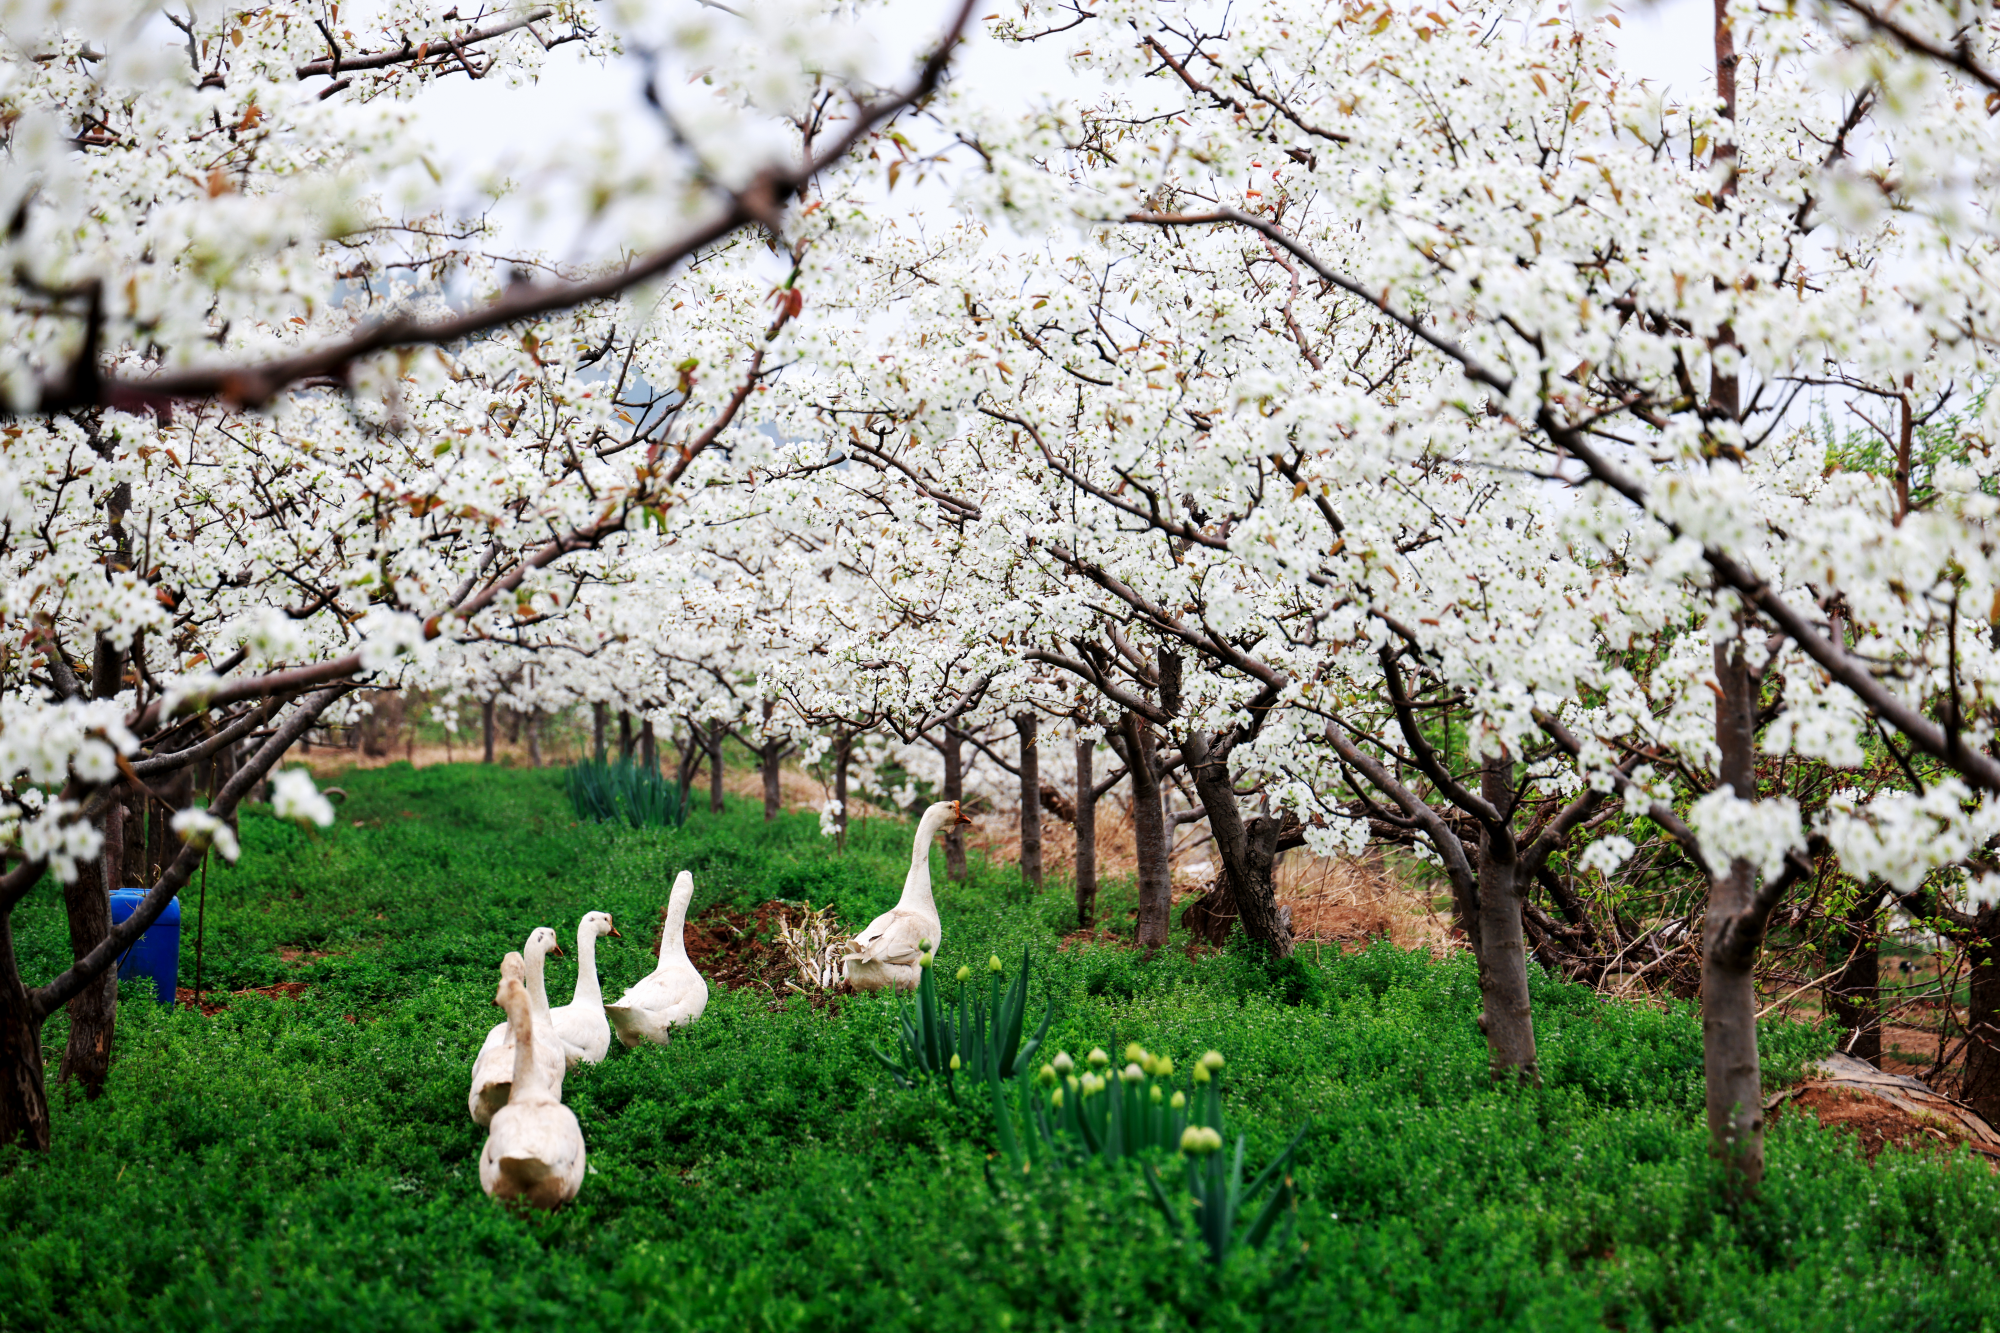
(1149, 826)
(1086, 835)
(689, 765)
(1506, 1016)
(769, 755)
(1728, 980)
(1854, 994)
(649, 748)
(532, 726)
(93, 1013)
(1248, 849)
(843, 754)
(953, 750)
(24, 1101)
(486, 727)
(597, 712)
(715, 768)
(1031, 802)
(624, 737)
(1979, 1085)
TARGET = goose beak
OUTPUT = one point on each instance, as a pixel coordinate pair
(614, 930)
(958, 812)
(556, 949)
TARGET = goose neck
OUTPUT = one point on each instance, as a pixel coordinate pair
(530, 1082)
(588, 990)
(673, 936)
(537, 983)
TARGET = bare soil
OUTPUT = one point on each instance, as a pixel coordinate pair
(738, 950)
(1877, 1123)
(184, 996)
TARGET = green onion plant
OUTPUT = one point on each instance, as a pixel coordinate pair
(612, 793)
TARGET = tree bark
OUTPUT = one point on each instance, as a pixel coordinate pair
(689, 765)
(1728, 980)
(770, 755)
(843, 754)
(1248, 848)
(1031, 802)
(715, 768)
(93, 1013)
(649, 751)
(953, 751)
(532, 726)
(1979, 1085)
(24, 1100)
(1506, 1015)
(486, 727)
(597, 711)
(1854, 994)
(1149, 825)
(624, 737)
(1086, 835)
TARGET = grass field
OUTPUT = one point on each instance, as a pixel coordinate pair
(309, 1163)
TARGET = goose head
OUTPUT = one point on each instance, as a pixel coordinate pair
(513, 969)
(943, 815)
(543, 941)
(597, 923)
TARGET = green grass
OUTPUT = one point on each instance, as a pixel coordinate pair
(309, 1164)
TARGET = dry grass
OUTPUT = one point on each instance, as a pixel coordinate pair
(1351, 901)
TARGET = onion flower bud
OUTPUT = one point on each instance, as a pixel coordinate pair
(1200, 1140)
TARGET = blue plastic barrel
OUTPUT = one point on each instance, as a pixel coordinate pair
(155, 954)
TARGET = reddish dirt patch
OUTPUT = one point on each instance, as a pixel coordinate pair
(210, 1006)
(738, 949)
(1103, 935)
(292, 954)
(1878, 1124)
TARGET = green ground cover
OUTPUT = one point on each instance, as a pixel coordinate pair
(310, 1164)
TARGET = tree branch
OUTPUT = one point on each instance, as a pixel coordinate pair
(256, 385)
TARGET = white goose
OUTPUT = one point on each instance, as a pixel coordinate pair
(674, 994)
(885, 954)
(580, 1024)
(493, 1068)
(534, 1148)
